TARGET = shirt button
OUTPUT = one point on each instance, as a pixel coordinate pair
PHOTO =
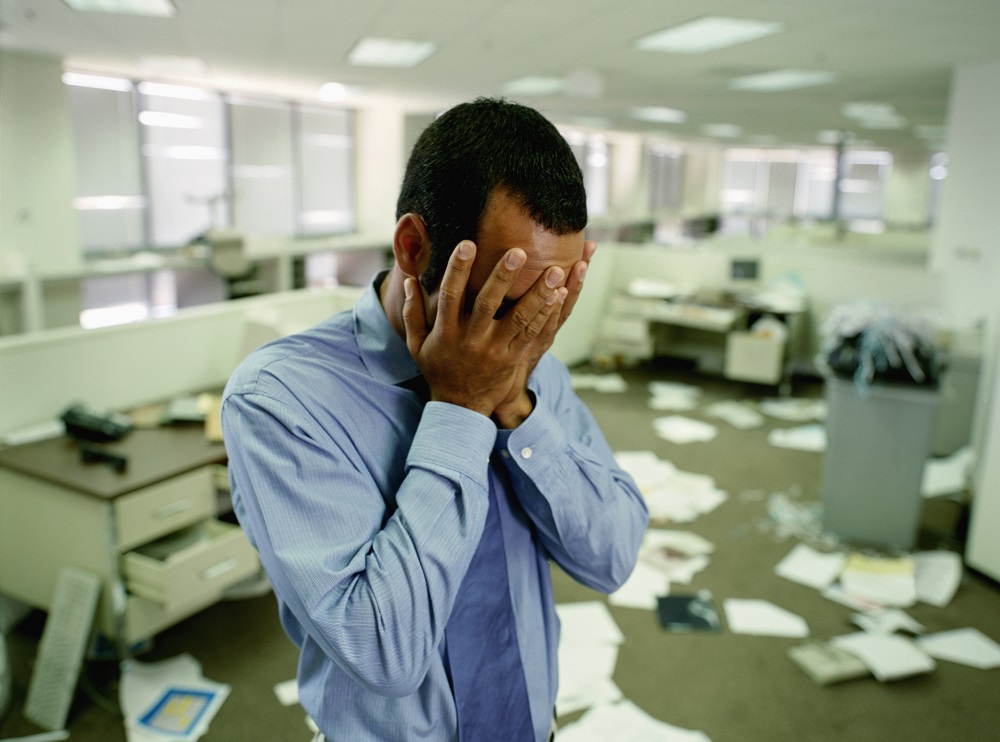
(505, 453)
(526, 452)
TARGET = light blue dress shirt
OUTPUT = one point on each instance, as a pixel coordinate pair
(366, 507)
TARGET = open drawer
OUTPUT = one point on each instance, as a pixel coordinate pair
(190, 566)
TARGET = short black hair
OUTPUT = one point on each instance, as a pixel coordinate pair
(475, 148)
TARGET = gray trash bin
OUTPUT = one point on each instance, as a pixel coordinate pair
(877, 443)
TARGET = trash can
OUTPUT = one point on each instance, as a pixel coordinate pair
(878, 440)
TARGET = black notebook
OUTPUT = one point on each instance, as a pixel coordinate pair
(688, 613)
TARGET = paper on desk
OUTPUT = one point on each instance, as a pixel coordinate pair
(937, 575)
(163, 694)
(625, 721)
(882, 581)
(642, 588)
(737, 414)
(803, 438)
(680, 429)
(949, 475)
(888, 656)
(965, 646)
(669, 395)
(607, 383)
(762, 618)
(805, 565)
(794, 409)
(648, 288)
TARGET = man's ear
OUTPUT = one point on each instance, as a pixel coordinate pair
(410, 245)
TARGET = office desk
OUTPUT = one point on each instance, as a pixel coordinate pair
(150, 533)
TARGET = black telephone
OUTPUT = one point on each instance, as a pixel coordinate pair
(89, 423)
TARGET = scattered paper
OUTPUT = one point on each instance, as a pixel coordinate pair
(949, 475)
(882, 581)
(168, 699)
(287, 692)
(669, 395)
(805, 565)
(680, 429)
(625, 720)
(804, 438)
(964, 646)
(794, 409)
(826, 664)
(888, 656)
(642, 588)
(737, 414)
(887, 621)
(937, 575)
(762, 618)
(607, 383)
(671, 495)
(588, 652)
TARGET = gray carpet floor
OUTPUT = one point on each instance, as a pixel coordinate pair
(733, 687)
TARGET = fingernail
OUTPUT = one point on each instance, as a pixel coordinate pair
(514, 259)
(583, 271)
(555, 275)
(408, 287)
(563, 293)
(464, 249)
(553, 297)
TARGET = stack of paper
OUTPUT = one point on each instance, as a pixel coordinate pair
(887, 582)
(664, 557)
(588, 651)
(888, 656)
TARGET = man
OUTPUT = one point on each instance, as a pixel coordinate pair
(387, 462)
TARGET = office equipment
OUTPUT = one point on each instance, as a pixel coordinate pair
(98, 518)
(61, 651)
(90, 423)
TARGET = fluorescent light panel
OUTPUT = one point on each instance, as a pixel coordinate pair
(659, 115)
(778, 80)
(707, 34)
(154, 8)
(102, 82)
(535, 85)
(167, 90)
(333, 91)
(170, 120)
(722, 131)
(373, 52)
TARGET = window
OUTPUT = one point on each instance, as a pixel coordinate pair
(593, 154)
(326, 166)
(665, 166)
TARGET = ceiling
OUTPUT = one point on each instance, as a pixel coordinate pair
(895, 52)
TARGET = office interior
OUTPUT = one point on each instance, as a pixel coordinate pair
(177, 190)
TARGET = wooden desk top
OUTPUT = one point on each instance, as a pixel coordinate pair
(153, 455)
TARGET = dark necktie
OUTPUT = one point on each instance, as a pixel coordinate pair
(485, 664)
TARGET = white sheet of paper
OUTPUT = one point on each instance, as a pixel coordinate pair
(625, 721)
(888, 656)
(588, 622)
(680, 429)
(585, 672)
(287, 692)
(965, 646)
(641, 588)
(882, 581)
(737, 414)
(762, 618)
(949, 475)
(887, 621)
(809, 567)
(607, 383)
(803, 438)
(794, 409)
(683, 542)
(937, 575)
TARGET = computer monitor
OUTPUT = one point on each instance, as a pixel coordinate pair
(743, 269)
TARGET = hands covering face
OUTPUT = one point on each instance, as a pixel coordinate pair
(475, 359)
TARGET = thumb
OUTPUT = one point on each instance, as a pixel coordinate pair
(414, 320)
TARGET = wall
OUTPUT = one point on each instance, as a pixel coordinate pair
(38, 228)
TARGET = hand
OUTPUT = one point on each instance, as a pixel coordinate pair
(474, 360)
(513, 410)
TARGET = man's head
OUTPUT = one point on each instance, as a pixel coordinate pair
(475, 149)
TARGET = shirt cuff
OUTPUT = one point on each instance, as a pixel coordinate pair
(455, 438)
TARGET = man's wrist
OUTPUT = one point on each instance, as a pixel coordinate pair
(509, 416)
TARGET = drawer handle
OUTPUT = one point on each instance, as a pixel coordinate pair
(220, 569)
(172, 509)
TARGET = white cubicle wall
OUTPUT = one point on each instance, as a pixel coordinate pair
(117, 367)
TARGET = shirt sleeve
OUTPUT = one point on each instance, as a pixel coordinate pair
(372, 586)
(588, 512)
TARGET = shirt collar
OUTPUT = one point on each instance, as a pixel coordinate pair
(382, 350)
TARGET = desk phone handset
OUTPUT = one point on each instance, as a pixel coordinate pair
(89, 423)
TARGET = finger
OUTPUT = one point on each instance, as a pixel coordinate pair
(574, 285)
(414, 319)
(492, 294)
(589, 248)
(524, 317)
(451, 294)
